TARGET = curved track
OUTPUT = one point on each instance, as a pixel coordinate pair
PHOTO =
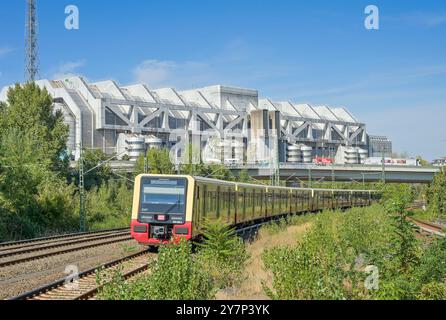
(86, 286)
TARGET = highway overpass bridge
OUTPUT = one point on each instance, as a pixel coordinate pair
(302, 172)
(358, 173)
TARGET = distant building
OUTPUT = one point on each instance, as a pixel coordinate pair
(129, 119)
(378, 145)
(439, 162)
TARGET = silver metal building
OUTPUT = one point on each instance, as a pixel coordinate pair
(112, 118)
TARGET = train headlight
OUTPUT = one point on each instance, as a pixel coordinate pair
(182, 231)
(140, 229)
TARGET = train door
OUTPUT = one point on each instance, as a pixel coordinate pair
(196, 215)
(270, 201)
(232, 206)
(293, 203)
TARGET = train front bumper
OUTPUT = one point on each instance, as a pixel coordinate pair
(142, 232)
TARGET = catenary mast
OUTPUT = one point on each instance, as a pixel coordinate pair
(31, 56)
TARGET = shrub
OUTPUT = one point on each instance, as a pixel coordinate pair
(109, 206)
(222, 254)
(174, 275)
(177, 274)
(330, 261)
(436, 194)
(433, 291)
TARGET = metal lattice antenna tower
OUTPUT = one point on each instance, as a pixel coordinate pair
(31, 67)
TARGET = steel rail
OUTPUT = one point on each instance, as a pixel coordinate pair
(51, 254)
(60, 283)
(14, 243)
(19, 251)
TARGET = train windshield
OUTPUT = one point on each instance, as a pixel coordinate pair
(163, 196)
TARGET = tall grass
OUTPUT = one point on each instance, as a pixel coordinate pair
(331, 260)
(178, 274)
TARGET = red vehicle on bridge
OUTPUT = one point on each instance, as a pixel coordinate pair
(323, 161)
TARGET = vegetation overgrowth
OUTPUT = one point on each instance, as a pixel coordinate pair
(177, 274)
(366, 253)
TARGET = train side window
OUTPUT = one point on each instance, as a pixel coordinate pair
(219, 197)
(205, 201)
(197, 206)
(244, 204)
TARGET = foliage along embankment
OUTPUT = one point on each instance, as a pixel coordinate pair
(362, 254)
(177, 274)
(366, 253)
(436, 195)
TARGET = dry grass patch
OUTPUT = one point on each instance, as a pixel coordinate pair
(251, 288)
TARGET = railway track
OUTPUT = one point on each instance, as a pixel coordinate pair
(21, 255)
(428, 228)
(86, 286)
(58, 243)
(37, 241)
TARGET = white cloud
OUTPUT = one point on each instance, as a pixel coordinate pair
(418, 18)
(430, 19)
(4, 51)
(67, 69)
(157, 74)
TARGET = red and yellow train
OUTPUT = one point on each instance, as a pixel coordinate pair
(172, 206)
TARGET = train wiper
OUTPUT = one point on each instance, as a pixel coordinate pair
(172, 206)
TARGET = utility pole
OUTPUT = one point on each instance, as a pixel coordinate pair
(332, 168)
(275, 177)
(82, 215)
(310, 184)
(31, 63)
(146, 161)
(383, 165)
(82, 193)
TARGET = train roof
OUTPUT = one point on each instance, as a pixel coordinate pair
(251, 185)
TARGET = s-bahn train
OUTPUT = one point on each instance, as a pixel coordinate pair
(167, 207)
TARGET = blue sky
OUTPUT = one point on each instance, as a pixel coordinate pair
(393, 79)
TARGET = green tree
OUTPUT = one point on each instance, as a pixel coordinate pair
(109, 205)
(35, 198)
(191, 162)
(397, 198)
(436, 194)
(30, 110)
(100, 175)
(244, 176)
(423, 162)
(158, 161)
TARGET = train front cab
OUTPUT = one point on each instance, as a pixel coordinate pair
(162, 209)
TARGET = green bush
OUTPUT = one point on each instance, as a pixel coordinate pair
(436, 194)
(222, 254)
(177, 274)
(275, 227)
(330, 261)
(314, 269)
(433, 291)
(174, 275)
(109, 206)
